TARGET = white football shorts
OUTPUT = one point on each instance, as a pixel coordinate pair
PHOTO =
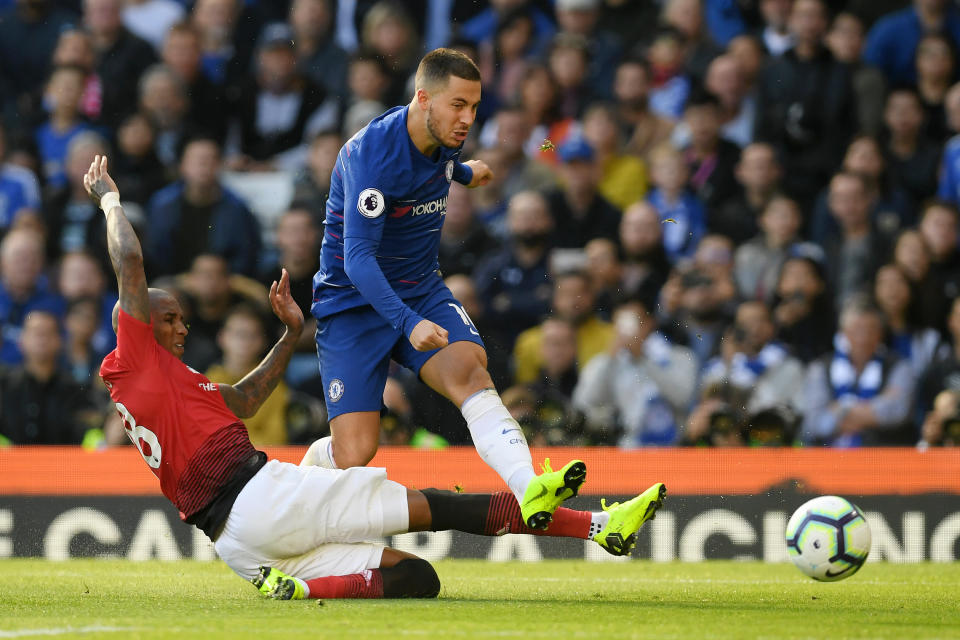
(311, 522)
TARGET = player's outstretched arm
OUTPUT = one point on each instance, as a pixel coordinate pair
(126, 255)
(245, 397)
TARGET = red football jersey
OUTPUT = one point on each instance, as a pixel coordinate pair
(175, 416)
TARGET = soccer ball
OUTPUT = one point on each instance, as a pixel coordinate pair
(828, 538)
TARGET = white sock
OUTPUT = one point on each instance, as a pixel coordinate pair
(320, 454)
(306, 589)
(499, 440)
(598, 520)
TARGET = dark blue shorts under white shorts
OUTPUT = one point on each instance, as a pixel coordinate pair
(355, 348)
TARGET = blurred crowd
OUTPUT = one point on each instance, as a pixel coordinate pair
(712, 222)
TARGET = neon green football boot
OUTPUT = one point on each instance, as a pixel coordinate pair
(620, 534)
(275, 584)
(546, 491)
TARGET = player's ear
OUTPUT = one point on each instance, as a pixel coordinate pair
(423, 99)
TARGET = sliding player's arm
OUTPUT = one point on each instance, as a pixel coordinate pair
(123, 246)
(245, 397)
(364, 211)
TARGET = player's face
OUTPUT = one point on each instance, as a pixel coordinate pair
(168, 328)
(452, 111)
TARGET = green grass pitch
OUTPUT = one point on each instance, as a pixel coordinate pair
(553, 600)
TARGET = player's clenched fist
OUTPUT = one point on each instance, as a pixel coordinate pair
(427, 336)
(481, 173)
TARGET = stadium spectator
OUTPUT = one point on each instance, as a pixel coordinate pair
(514, 284)
(212, 291)
(710, 158)
(688, 18)
(136, 163)
(889, 207)
(243, 341)
(368, 79)
(79, 358)
(775, 34)
(39, 401)
(750, 55)
(312, 182)
(510, 133)
(70, 217)
(912, 343)
(803, 306)
(893, 41)
(164, 100)
(645, 262)
(912, 157)
(640, 126)
(482, 27)
(859, 394)
(573, 301)
(941, 427)
(63, 93)
(196, 214)
(760, 371)
(120, 58)
(319, 57)
(637, 390)
(623, 177)
(28, 33)
(680, 210)
(490, 203)
(182, 52)
(151, 19)
(606, 274)
(911, 256)
(940, 229)
(75, 49)
(805, 106)
(225, 52)
(936, 71)
(539, 98)
(23, 288)
(279, 110)
(389, 32)
(503, 60)
(297, 239)
(581, 17)
(727, 81)
(19, 190)
(569, 62)
(853, 255)
(670, 84)
(944, 371)
(758, 174)
(580, 213)
(845, 41)
(463, 241)
(757, 262)
(551, 392)
(80, 276)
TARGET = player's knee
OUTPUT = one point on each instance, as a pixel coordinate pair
(420, 578)
(353, 453)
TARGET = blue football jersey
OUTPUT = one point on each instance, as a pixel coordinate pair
(387, 197)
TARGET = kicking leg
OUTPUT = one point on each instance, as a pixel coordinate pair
(459, 373)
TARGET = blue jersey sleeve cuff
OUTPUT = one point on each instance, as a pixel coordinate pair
(462, 173)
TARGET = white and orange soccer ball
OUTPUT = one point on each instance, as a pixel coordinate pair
(828, 538)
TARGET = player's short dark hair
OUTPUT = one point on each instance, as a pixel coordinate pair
(437, 66)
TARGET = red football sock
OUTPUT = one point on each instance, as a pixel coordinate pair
(368, 584)
(504, 517)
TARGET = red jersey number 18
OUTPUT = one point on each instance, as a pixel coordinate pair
(144, 439)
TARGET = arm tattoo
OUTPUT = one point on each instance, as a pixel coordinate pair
(245, 397)
(126, 256)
